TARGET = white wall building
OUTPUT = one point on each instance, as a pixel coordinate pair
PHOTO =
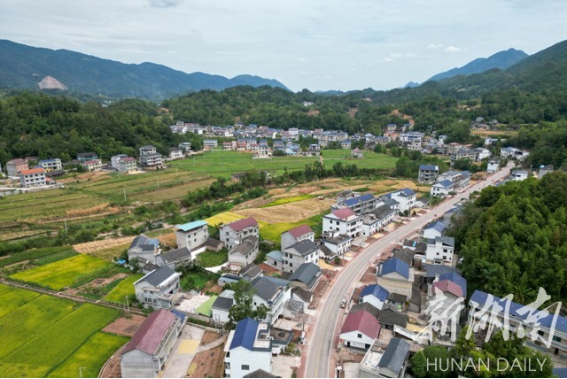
(440, 250)
(343, 221)
(192, 235)
(32, 178)
(247, 349)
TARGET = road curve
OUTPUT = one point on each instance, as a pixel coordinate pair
(320, 344)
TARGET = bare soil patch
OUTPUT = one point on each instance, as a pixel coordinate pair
(209, 337)
(89, 247)
(208, 364)
(125, 326)
(289, 212)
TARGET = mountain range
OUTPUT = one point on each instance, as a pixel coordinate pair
(501, 60)
(22, 67)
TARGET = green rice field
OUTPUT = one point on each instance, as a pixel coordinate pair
(123, 289)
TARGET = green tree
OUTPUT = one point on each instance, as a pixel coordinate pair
(243, 306)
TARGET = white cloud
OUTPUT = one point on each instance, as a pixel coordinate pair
(434, 46)
(453, 49)
(396, 56)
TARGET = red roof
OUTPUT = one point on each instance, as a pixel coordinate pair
(300, 230)
(94, 161)
(449, 286)
(32, 171)
(344, 213)
(151, 333)
(128, 159)
(240, 225)
(17, 160)
(363, 322)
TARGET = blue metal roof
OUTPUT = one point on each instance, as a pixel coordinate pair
(395, 265)
(407, 192)
(481, 298)
(445, 183)
(366, 197)
(191, 225)
(377, 291)
(455, 278)
(437, 225)
(152, 241)
(428, 167)
(245, 334)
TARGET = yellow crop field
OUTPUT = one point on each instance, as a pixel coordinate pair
(224, 218)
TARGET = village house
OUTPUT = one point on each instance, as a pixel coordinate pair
(405, 197)
(208, 144)
(396, 276)
(359, 330)
(233, 233)
(335, 245)
(518, 175)
(304, 251)
(442, 188)
(544, 170)
(360, 204)
(248, 349)
(375, 295)
(357, 154)
(83, 157)
(297, 234)
(434, 229)
(446, 294)
(492, 166)
(176, 153)
(174, 258)
(376, 220)
(463, 154)
(221, 307)
(14, 166)
(50, 164)
(390, 317)
(115, 160)
(440, 250)
(428, 174)
(151, 345)
(32, 178)
(513, 153)
(93, 165)
(159, 288)
(192, 235)
(185, 147)
(143, 247)
(273, 293)
(394, 360)
(229, 145)
(275, 259)
(127, 164)
(344, 221)
(244, 253)
(306, 277)
(150, 157)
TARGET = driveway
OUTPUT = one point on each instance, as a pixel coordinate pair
(183, 353)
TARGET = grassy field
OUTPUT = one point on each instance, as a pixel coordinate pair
(287, 200)
(103, 344)
(15, 298)
(32, 207)
(64, 273)
(212, 258)
(123, 289)
(151, 186)
(225, 163)
(50, 344)
(40, 255)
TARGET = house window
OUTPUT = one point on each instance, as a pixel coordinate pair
(359, 335)
(245, 367)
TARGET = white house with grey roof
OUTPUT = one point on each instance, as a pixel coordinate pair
(434, 229)
(221, 307)
(518, 175)
(440, 250)
(304, 251)
(343, 221)
(244, 253)
(273, 293)
(405, 197)
(442, 188)
(150, 157)
(377, 219)
(306, 277)
(159, 288)
(299, 233)
(144, 248)
(174, 258)
(394, 360)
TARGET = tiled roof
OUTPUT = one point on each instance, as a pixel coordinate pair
(455, 278)
(300, 230)
(32, 171)
(395, 355)
(362, 322)
(304, 247)
(395, 265)
(449, 286)
(437, 225)
(375, 290)
(191, 225)
(444, 183)
(344, 213)
(240, 225)
(151, 332)
(155, 278)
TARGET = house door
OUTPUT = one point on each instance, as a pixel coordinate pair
(348, 344)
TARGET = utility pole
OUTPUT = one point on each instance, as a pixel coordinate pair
(125, 198)
(127, 305)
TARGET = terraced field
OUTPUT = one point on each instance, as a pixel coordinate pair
(123, 289)
(46, 336)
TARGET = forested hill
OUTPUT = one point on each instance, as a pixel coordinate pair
(22, 67)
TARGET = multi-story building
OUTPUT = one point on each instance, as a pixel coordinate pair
(304, 251)
(360, 204)
(248, 349)
(518, 175)
(127, 164)
(159, 288)
(428, 174)
(192, 235)
(93, 165)
(377, 219)
(14, 166)
(440, 250)
(405, 197)
(233, 233)
(115, 160)
(209, 144)
(396, 276)
(150, 157)
(83, 157)
(299, 233)
(442, 188)
(32, 178)
(343, 221)
(50, 164)
(513, 153)
(493, 166)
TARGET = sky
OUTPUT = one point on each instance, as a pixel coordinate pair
(314, 44)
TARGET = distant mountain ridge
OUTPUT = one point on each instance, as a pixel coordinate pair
(22, 66)
(501, 60)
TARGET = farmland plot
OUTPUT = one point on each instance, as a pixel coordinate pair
(14, 299)
(123, 289)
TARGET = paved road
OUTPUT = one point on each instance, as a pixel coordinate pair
(321, 344)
